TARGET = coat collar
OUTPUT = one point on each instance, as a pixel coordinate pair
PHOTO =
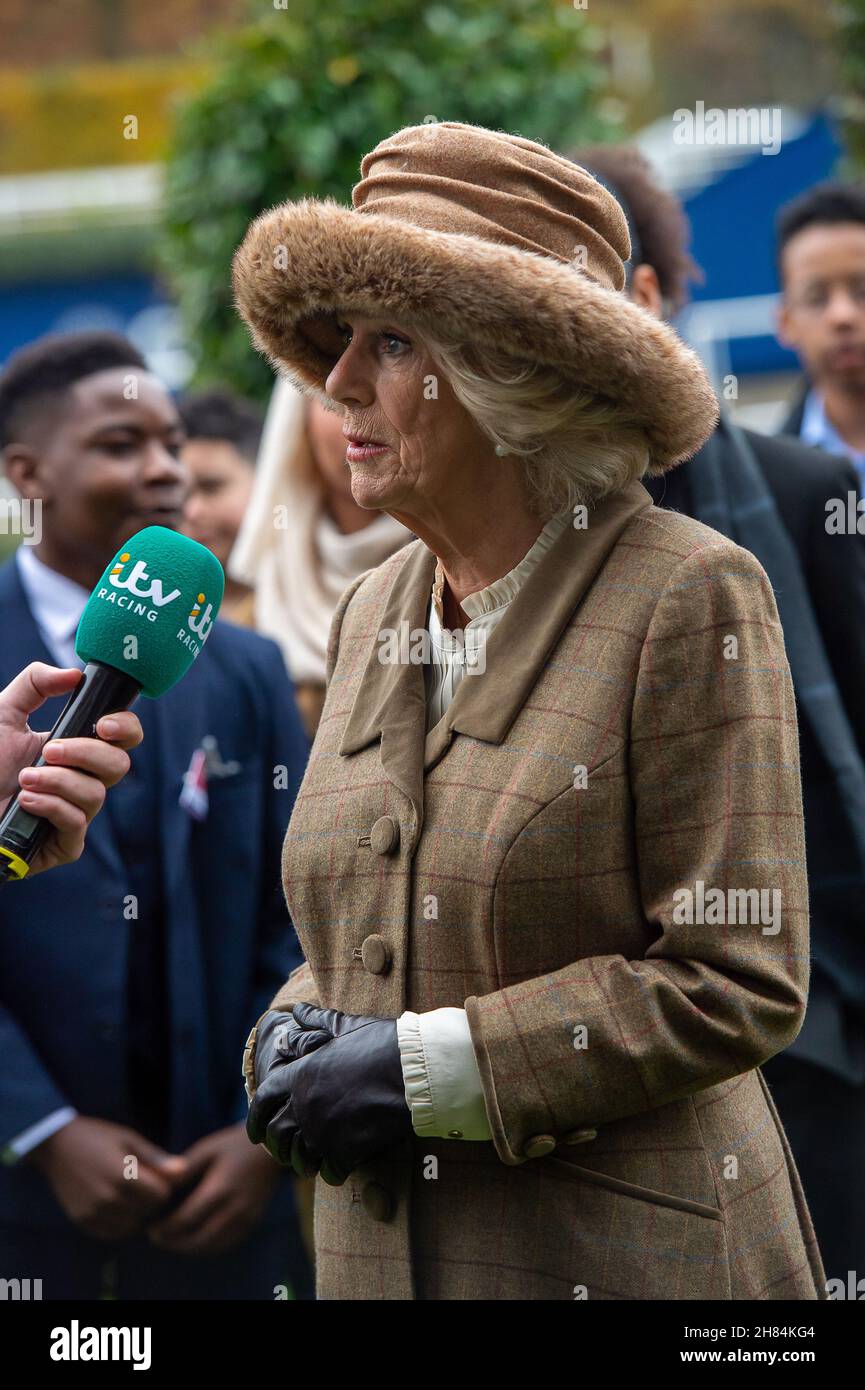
(390, 700)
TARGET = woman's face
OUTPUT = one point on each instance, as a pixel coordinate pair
(221, 483)
(394, 395)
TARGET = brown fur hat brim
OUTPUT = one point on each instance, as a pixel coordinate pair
(340, 260)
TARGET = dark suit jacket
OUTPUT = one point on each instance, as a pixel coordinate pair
(229, 940)
(801, 479)
(793, 423)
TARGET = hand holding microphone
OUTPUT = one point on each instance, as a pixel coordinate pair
(70, 789)
(145, 623)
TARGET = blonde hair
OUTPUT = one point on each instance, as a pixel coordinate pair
(576, 447)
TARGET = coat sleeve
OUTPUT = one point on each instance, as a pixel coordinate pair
(716, 799)
(28, 1093)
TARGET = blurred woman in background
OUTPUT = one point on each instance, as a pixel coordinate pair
(223, 432)
(304, 539)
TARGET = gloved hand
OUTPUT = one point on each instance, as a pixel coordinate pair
(279, 1039)
(340, 1101)
(273, 1053)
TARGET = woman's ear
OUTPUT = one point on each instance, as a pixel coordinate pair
(645, 290)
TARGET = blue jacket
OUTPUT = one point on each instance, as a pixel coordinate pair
(229, 940)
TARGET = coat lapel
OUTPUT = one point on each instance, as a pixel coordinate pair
(181, 718)
(391, 698)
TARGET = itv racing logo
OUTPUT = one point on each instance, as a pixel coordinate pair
(199, 623)
(131, 587)
(134, 590)
(139, 583)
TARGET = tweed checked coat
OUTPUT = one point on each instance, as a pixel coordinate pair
(521, 860)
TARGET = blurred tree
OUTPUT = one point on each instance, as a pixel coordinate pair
(851, 21)
(300, 96)
(111, 25)
(727, 53)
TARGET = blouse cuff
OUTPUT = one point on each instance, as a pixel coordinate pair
(442, 1083)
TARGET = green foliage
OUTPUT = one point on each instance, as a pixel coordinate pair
(851, 20)
(300, 96)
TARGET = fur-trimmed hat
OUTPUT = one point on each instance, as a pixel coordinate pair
(481, 237)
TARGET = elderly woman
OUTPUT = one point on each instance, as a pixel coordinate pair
(546, 863)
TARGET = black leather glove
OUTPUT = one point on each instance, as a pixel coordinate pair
(340, 1101)
(279, 1039)
(273, 1052)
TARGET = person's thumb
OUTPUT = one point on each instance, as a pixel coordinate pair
(36, 684)
(319, 1020)
(174, 1167)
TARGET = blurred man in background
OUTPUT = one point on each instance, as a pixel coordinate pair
(821, 266)
(770, 495)
(223, 432)
(131, 980)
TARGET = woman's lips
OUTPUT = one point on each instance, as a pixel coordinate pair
(358, 452)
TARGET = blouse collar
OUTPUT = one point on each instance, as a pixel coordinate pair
(501, 591)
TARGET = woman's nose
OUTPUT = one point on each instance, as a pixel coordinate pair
(350, 381)
(192, 508)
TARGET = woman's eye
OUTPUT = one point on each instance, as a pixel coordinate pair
(344, 332)
(389, 339)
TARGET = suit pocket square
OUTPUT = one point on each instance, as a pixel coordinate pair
(216, 767)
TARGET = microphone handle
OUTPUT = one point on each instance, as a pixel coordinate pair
(102, 690)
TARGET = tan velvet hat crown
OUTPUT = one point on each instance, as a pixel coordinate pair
(481, 237)
(498, 187)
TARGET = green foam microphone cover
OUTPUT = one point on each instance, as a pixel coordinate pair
(153, 609)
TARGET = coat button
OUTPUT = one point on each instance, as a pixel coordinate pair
(384, 836)
(540, 1146)
(376, 956)
(579, 1136)
(377, 1202)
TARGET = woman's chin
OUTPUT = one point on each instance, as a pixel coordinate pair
(370, 491)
